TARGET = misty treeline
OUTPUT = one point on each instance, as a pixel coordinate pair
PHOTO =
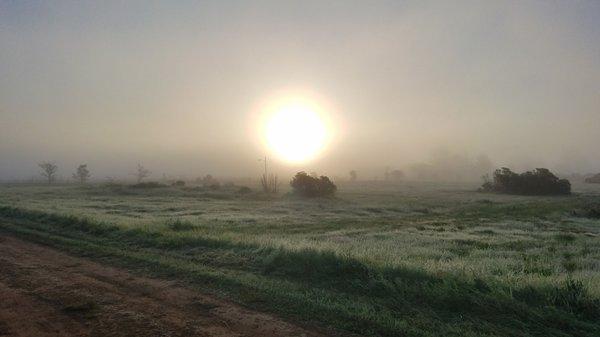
(49, 171)
(448, 166)
(443, 165)
(595, 179)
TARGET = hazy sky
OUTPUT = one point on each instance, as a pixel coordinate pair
(175, 84)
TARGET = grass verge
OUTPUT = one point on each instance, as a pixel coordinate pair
(321, 286)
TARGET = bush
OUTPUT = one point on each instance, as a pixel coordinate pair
(245, 190)
(312, 186)
(538, 182)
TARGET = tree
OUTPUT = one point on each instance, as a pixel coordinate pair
(353, 175)
(141, 173)
(309, 186)
(82, 174)
(49, 171)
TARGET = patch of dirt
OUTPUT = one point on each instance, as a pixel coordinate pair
(44, 292)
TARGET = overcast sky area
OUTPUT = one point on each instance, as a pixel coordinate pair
(176, 85)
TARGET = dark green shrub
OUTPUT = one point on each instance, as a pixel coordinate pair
(312, 186)
(538, 182)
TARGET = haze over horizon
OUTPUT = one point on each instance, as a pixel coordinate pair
(177, 87)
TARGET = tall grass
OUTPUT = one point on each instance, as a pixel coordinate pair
(359, 297)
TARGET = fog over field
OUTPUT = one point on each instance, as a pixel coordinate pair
(275, 168)
(178, 87)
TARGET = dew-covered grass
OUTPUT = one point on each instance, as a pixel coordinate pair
(408, 259)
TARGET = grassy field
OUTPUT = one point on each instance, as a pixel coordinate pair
(414, 259)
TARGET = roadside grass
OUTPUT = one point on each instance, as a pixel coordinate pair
(341, 291)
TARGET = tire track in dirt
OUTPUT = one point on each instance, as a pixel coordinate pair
(44, 292)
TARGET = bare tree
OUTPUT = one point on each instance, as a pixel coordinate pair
(141, 173)
(268, 181)
(353, 175)
(82, 174)
(48, 171)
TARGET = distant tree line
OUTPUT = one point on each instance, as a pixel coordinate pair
(595, 179)
(447, 166)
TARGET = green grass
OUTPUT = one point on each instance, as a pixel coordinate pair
(406, 260)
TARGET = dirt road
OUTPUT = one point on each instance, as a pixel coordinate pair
(44, 292)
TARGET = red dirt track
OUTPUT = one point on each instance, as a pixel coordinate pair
(44, 292)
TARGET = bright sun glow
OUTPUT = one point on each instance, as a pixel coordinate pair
(295, 131)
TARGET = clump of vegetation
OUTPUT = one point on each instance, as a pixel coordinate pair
(86, 308)
(595, 179)
(245, 190)
(312, 186)
(574, 296)
(538, 182)
(269, 183)
(591, 210)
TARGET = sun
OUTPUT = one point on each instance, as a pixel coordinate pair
(295, 129)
